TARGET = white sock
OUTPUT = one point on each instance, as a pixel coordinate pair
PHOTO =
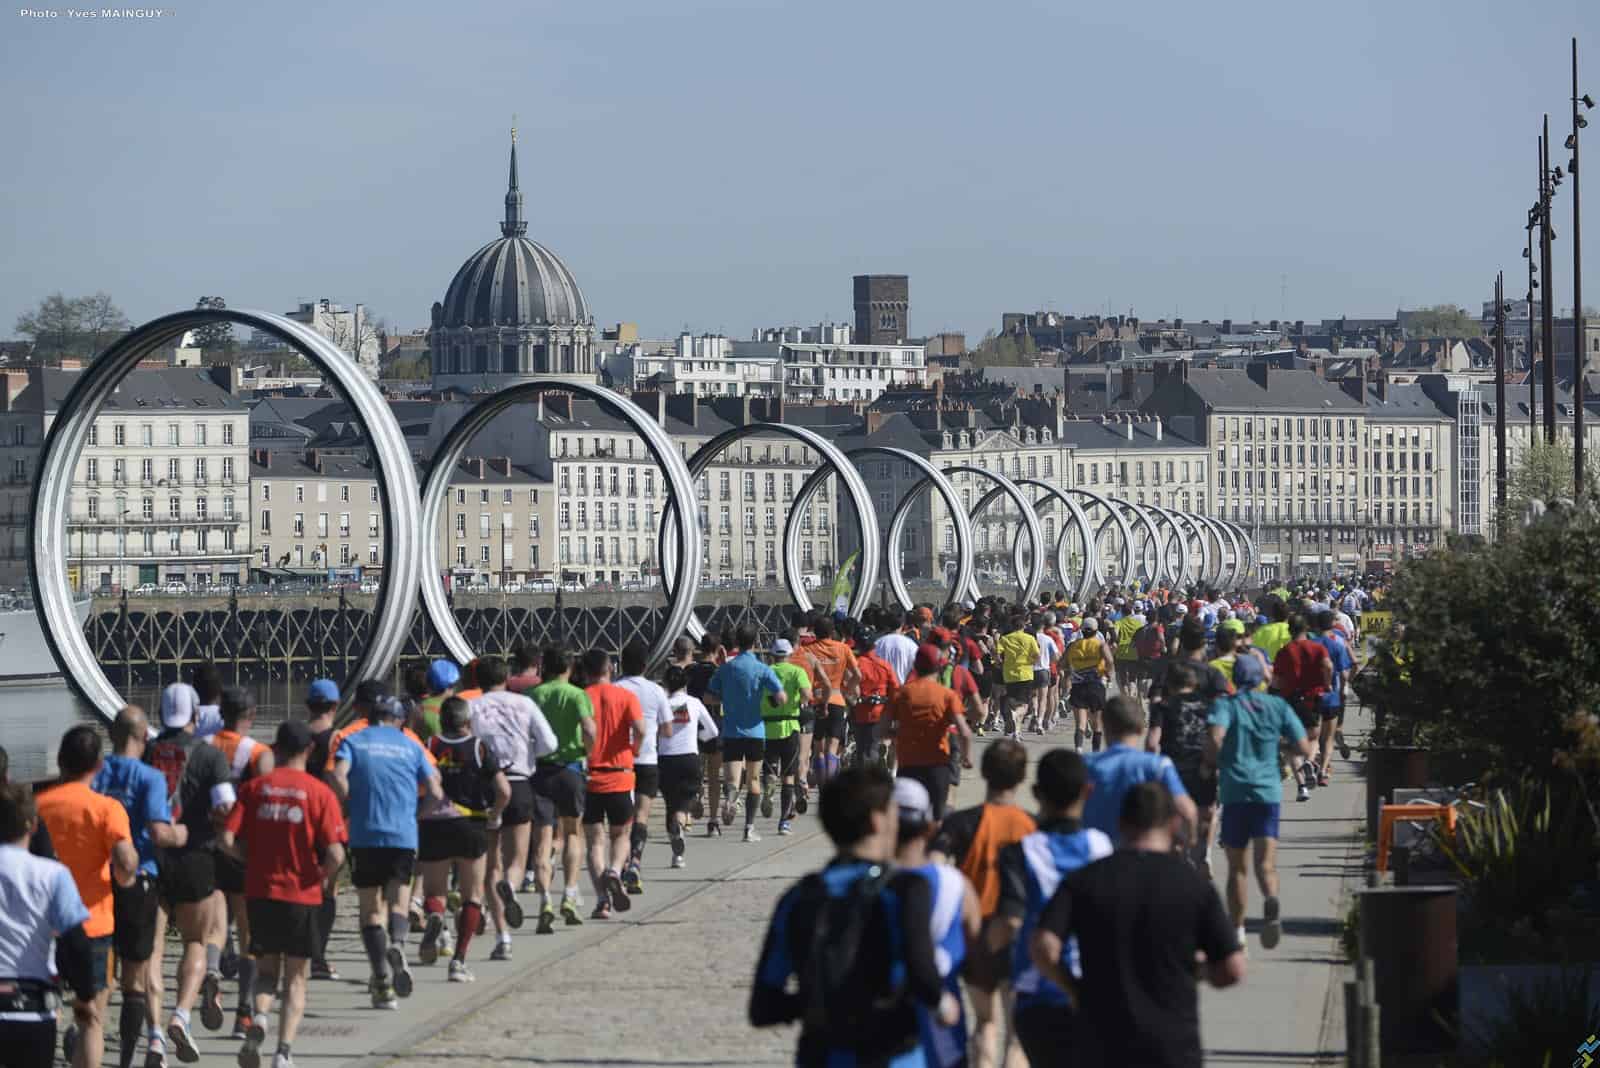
(1241, 936)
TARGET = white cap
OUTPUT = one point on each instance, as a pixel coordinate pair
(178, 704)
(782, 647)
(911, 798)
(1090, 625)
(1182, 609)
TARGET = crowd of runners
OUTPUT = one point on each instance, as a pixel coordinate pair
(452, 805)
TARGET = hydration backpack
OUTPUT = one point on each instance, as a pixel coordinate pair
(169, 756)
(843, 993)
(1149, 643)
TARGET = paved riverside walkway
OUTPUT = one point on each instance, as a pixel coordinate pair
(667, 984)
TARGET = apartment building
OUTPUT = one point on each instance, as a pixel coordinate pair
(160, 489)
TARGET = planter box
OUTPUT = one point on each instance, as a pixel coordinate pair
(1486, 991)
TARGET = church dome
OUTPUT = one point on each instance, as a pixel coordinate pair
(513, 281)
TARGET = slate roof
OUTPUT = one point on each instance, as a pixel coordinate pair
(1027, 379)
(1404, 403)
(1295, 391)
(165, 389)
(1093, 434)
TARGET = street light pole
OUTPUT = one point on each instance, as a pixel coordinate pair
(1547, 194)
(1500, 394)
(1533, 390)
(1579, 350)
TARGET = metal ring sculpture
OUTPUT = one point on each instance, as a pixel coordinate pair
(679, 487)
(1003, 485)
(1187, 519)
(397, 482)
(1151, 544)
(1122, 527)
(860, 498)
(931, 476)
(1231, 564)
(1174, 554)
(1079, 521)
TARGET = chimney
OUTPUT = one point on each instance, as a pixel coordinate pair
(1299, 326)
(875, 421)
(474, 466)
(682, 407)
(1383, 388)
(1227, 326)
(1356, 387)
(1258, 371)
(263, 457)
(500, 465)
(314, 460)
(1129, 431)
(1158, 428)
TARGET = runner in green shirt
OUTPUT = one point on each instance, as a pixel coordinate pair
(559, 785)
(782, 723)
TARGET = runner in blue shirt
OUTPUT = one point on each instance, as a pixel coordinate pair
(377, 771)
(142, 790)
(1122, 765)
(744, 685)
(1332, 710)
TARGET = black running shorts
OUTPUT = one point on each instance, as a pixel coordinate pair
(282, 927)
(461, 838)
(680, 780)
(371, 867)
(837, 725)
(615, 809)
(136, 909)
(646, 780)
(520, 808)
(743, 749)
(557, 793)
(188, 876)
(230, 874)
(1090, 695)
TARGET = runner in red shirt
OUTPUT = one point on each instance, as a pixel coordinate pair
(1301, 673)
(878, 684)
(289, 830)
(618, 732)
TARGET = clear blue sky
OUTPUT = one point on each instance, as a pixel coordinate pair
(727, 165)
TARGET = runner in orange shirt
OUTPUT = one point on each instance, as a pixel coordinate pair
(93, 839)
(618, 732)
(843, 676)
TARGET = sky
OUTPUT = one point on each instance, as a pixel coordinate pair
(721, 166)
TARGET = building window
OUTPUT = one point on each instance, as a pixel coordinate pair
(227, 507)
(344, 524)
(266, 555)
(119, 434)
(372, 554)
(372, 524)
(322, 524)
(173, 437)
(299, 524)
(174, 507)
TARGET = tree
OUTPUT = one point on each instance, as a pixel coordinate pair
(1442, 320)
(214, 337)
(64, 326)
(1545, 474)
(357, 336)
(1002, 350)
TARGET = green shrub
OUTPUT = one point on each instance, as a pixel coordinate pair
(1542, 1024)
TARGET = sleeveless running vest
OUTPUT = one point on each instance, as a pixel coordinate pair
(465, 773)
(998, 827)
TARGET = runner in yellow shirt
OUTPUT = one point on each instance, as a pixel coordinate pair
(1018, 651)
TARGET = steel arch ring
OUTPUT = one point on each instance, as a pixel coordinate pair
(397, 482)
(1079, 520)
(1188, 519)
(1232, 554)
(679, 486)
(860, 498)
(1122, 526)
(1250, 550)
(931, 476)
(1180, 574)
(1003, 485)
(1223, 570)
(1152, 540)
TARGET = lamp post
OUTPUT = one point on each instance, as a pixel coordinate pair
(1579, 349)
(1533, 286)
(1500, 394)
(1548, 181)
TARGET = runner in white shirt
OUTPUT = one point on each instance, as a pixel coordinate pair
(679, 750)
(1048, 654)
(898, 648)
(646, 772)
(519, 734)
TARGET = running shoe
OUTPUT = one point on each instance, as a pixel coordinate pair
(1304, 793)
(630, 880)
(678, 861)
(569, 912)
(428, 949)
(211, 1001)
(547, 921)
(801, 802)
(678, 844)
(613, 888)
(281, 1059)
(766, 798)
(447, 943)
(383, 997)
(459, 973)
(501, 951)
(784, 828)
(697, 808)
(250, 1052)
(241, 1025)
(601, 911)
(417, 918)
(508, 900)
(529, 883)
(321, 969)
(728, 810)
(228, 964)
(452, 902)
(713, 829)
(182, 1041)
(1322, 779)
(155, 1056)
(1271, 925)
(750, 834)
(400, 970)
(1344, 746)
(69, 1042)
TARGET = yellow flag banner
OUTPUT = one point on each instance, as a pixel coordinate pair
(1377, 624)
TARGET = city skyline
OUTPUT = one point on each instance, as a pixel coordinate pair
(365, 163)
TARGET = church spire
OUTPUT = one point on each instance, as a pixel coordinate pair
(514, 225)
